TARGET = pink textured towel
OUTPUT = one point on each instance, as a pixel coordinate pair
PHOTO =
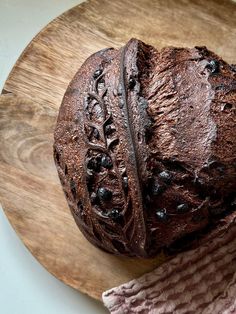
(202, 280)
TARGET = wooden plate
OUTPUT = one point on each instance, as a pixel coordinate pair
(29, 187)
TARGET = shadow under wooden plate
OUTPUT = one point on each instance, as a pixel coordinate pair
(29, 187)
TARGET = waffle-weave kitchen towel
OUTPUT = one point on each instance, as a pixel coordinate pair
(200, 281)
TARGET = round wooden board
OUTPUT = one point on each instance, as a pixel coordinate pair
(29, 187)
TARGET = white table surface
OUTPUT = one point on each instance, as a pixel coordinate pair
(25, 286)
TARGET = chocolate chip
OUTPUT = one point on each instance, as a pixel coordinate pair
(165, 176)
(104, 194)
(80, 205)
(108, 129)
(88, 99)
(131, 83)
(93, 198)
(233, 67)
(97, 73)
(106, 162)
(161, 214)
(91, 164)
(182, 208)
(213, 66)
(98, 159)
(115, 214)
(226, 107)
(94, 164)
(156, 188)
(101, 83)
(125, 183)
(96, 133)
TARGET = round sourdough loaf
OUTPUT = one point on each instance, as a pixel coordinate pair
(145, 147)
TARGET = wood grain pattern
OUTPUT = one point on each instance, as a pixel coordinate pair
(29, 187)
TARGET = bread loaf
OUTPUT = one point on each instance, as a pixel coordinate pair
(145, 147)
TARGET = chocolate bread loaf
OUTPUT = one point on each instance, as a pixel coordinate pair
(145, 147)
